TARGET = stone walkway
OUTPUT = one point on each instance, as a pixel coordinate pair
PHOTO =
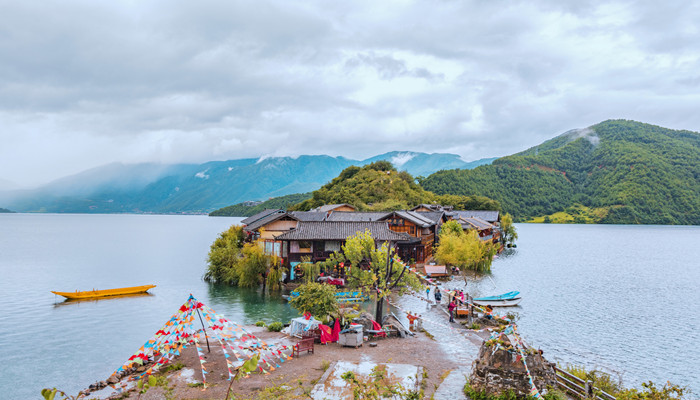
(452, 387)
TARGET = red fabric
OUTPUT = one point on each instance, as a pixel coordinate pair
(377, 327)
(326, 333)
(336, 331)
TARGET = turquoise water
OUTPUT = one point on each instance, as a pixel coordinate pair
(618, 298)
(615, 297)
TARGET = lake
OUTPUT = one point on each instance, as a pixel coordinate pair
(620, 298)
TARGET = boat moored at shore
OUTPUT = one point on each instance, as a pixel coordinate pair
(94, 294)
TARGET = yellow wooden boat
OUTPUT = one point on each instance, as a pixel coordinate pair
(91, 294)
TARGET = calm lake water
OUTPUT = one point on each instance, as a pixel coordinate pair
(621, 298)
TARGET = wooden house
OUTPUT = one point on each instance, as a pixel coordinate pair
(486, 230)
(422, 230)
(319, 239)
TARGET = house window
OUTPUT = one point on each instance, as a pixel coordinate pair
(304, 244)
(332, 245)
(396, 222)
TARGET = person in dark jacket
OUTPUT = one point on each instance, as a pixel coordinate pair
(438, 295)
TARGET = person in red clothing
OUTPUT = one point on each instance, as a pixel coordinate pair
(451, 309)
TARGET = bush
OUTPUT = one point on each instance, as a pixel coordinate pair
(260, 323)
(275, 327)
(316, 298)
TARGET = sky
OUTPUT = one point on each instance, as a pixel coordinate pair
(85, 83)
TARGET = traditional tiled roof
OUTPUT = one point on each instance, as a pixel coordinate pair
(415, 217)
(266, 220)
(260, 215)
(348, 216)
(434, 207)
(474, 222)
(336, 230)
(331, 207)
(489, 216)
(434, 216)
(308, 215)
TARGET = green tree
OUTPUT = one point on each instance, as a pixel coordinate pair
(464, 249)
(373, 269)
(256, 268)
(316, 298)
(241, 264)
(508, 229)
(223, 256)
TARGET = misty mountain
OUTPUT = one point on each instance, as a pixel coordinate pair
(201, 188)
(8, 185)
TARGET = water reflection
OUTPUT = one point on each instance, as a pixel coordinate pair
(68, 302)
(250, 305)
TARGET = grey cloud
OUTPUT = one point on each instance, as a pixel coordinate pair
(212, 80)
(390, 67)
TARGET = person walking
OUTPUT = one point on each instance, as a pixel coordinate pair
(427, 293)
(438, 295)
(451, 309)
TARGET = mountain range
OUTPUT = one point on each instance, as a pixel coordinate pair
(201, 188)
(618, 171)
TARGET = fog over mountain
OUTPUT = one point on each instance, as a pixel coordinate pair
(188, 188)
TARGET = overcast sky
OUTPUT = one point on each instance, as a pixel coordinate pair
(85, 83)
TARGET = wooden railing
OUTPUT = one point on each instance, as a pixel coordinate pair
(579, 388)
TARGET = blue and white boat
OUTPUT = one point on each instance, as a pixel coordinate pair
(342, 297)
(502, 300)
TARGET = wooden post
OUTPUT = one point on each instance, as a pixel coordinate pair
(205, 330)
(588, 389)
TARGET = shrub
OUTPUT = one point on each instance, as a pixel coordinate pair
(316, 298)
(260, 323)
(275, 327)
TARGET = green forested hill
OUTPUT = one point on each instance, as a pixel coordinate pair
(244, 210)
(626, 171)
(380, 187)
(4, 210)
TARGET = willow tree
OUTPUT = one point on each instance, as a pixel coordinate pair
(224, 253)
(256, 268)
(464, 249)
(372, 268)
(508, 229)
(233, 262)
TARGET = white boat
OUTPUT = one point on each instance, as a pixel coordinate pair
(498, 303)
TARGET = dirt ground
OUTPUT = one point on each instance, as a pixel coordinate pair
(296, 377)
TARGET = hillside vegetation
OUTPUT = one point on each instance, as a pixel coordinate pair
(380, 187)
(244, 210)
(617, 171)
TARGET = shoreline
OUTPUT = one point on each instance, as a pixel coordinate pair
(298, 375)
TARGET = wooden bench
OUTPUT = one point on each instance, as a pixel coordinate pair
(304, 344)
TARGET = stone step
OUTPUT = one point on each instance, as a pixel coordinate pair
(452, 388)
